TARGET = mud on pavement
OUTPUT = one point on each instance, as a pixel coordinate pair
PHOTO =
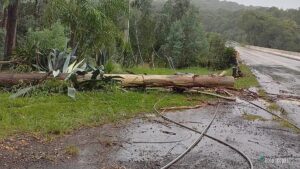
(151, 142)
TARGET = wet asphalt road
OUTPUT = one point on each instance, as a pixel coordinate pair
(258, 58)
(149, 142)
(277, 75)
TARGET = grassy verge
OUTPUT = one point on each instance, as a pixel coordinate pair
(58, 114)
(247, 81)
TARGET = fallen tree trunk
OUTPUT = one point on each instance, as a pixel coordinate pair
(10, 79)
(172, 80)
(127, 80)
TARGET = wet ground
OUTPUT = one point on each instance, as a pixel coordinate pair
(277, 75)
(150, 142)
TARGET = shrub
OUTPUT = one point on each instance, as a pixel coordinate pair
(112, 67)
(230, 55)
(38, 44)
(53, 38)
(220, 56)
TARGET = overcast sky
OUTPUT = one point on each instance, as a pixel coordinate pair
(284, 4)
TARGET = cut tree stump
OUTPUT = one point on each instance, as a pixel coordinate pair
(128, 80)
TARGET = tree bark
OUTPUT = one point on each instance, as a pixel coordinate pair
(72, 42)
(127, 80)
(10, 79)
(174, 80)
(11, 29)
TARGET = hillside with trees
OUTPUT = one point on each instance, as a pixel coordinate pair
(266, 27)
(139, 32)
(173, 33)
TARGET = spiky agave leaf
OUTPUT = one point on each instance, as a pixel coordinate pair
(68, 59)
(74, 66)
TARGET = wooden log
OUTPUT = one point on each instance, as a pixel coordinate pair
(127, 80)
(172, 80)
(10, 79)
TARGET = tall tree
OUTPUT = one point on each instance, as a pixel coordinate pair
(11, 28)
(142, 29)
(92, 24)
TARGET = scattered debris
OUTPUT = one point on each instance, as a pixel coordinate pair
(168, 132)
(283, 119)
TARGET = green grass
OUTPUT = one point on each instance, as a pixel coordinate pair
(72, 150)
(274, 107)
(247, 81)
(165, 71)
(286, 124)
(252, 117)
(262, 93)
(58, 114)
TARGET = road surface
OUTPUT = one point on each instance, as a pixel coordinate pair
(277, 75)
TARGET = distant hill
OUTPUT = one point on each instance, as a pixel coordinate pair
(211, 5)
(216, 5)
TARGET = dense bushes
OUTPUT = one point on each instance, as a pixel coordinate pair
(36, 45)
(170, 34)
(219, 56)
(181, 39)
(52, 38)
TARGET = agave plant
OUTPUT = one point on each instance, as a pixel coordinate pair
(61, 62)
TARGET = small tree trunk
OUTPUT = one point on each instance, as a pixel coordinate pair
(138, 41)
(72, 42)
(11, 29)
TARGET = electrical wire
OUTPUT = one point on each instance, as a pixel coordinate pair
(208, 136)
(191, 147)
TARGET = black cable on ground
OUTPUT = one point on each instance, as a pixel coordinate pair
(253, 104)
(194, 144)
(213, 138)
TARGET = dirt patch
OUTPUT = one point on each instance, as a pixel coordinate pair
(82, 146)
